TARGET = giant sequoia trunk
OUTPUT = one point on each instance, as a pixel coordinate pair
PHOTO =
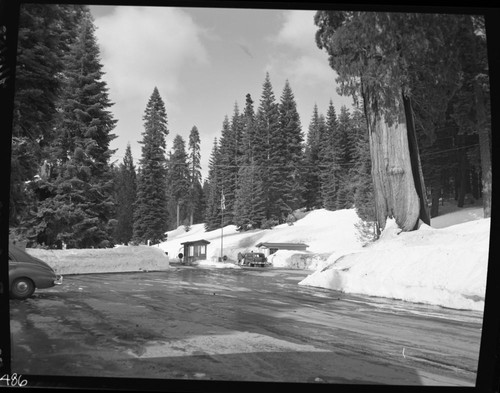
(395, 193)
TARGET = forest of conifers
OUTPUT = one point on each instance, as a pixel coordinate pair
(419, 76)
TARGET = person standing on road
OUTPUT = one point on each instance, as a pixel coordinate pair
(240, 257)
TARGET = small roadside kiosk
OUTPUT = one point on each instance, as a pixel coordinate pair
(271, 248)
(195, 250)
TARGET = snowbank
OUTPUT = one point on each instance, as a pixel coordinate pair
(297, 260)
(108, 260)
(322, 230)
(446, 267)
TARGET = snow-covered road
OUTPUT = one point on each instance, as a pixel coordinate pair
(249, 324)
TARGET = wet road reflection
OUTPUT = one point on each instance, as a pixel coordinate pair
(249, 324)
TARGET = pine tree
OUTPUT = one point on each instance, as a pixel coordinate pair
(214, 189)
(178, 180)
(287, 154)
(226, 168)
(150, 210)
(230, 157)
(77, 207)
(312, 178)
(249, 207)
(196, 204)
(200, 208)
(249, 144)
(125, 195)
(267, 130)
(345, 193)
(206, 193)
(329, 168)
(44, 33)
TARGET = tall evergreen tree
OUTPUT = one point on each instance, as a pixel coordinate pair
(213, 191)
(330, 171)
(45, 31)
(249, 143)
(226, 169)
(125, 195)
(375, 55)
(266, 136)
(287, 154)
(150, 210)
(196, 204)
(312, 178)
(249, 207)
(230, 158)
(178, 180)
(345, 192)
(77, 207)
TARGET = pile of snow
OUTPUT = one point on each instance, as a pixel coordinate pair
(446, 267)
(288, 259)
(108, 260)
(322, 230)
(218, 265)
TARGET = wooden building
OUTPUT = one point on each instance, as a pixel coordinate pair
(195, 250)
(271, 248)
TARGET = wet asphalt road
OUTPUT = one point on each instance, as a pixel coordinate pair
(252, 324)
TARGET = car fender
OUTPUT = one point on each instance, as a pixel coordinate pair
(40, 275)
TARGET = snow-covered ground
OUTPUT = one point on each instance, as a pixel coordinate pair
(322, 230)
(445, 267)
(443, 264)
(108, 260)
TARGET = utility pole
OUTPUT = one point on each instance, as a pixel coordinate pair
(222, 208)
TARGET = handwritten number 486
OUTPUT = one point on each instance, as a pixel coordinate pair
(14, 380)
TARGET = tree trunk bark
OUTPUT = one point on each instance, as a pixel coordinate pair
(395, 193)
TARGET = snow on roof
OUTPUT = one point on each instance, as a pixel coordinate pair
(201, 241)
(281, 245)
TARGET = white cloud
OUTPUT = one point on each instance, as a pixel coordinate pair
(144, 47)
(298, 30)
(305, 70)
(296, 54)
(297, 58)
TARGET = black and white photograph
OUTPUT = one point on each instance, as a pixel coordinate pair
(262, 195)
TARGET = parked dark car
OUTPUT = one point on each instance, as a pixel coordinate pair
(27, 273)
(254, 259)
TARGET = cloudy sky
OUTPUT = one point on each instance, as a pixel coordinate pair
(203, 61)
